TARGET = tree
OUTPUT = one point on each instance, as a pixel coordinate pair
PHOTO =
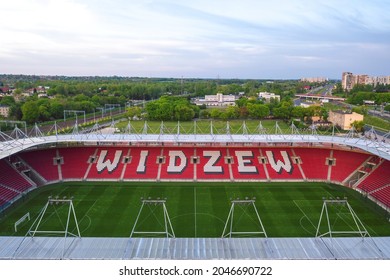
(299, 112)
(215, 113)
(56, 109)
(360, 110)
(204, 114)
(184, 113)
(7, 100)
(244, 113)
(170, 108)
(282, 112)
(242, 102)
(231, 112)
(339, 89)
(258, 111)
(132, 112)
(358, 125)
(30, 111)
(44, 113)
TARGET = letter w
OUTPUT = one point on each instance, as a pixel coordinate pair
(103, 163)
(277, 166)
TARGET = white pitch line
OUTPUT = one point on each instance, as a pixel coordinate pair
(304, 214)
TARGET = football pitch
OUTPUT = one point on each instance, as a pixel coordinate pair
(110, 209)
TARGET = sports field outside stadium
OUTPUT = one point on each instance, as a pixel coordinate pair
(110, 209)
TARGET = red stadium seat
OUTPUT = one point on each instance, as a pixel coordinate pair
(346, 163)
(75, 162)
(12, 179)
(43, 161)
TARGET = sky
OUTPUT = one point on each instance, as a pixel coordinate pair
(253, 39)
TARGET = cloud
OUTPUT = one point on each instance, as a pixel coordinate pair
(278, 38)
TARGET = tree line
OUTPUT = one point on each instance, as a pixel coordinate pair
(89, 93)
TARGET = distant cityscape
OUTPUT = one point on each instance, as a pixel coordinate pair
(349, 80)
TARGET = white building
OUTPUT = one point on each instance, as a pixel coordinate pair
(267, 96)
(315, 80)
(4, 111)
(217, 100)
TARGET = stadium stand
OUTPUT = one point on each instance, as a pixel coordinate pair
(281, 165)
(383, 195)
(143, 163)
(44, 162)
(137, 163)
(213, 163)
(378, 178)
(247, 164)
(109, 163)
(12, 179)
(313, 162)
(75, 161)
(345, 163)
(178, 164)
(198, 163)
(7, 194)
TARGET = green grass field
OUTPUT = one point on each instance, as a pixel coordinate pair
(110, 209)
(204, 126)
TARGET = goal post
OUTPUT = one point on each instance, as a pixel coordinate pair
(45, 219)
(21, 220)
(246, 203)
(356, 226)
(71, 214)
(167, 230)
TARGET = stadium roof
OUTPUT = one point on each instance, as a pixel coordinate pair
(9, 146)
(348, 248)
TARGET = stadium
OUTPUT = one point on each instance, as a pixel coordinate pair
(94, 195)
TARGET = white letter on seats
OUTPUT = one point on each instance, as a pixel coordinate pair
(111, 166)
(210, 167)
(173, 156)
(277, 166)
(243, 160)
(141, 168)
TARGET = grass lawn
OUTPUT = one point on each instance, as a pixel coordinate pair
(110, 209)
(204, 126)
